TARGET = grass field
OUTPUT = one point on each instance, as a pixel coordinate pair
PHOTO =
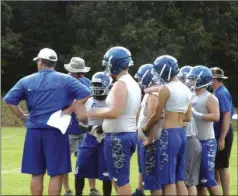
(15, 183)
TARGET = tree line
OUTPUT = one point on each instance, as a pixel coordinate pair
(204, 33)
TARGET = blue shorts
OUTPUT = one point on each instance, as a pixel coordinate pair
(46, 149)
(207, 168)
(172, 155)
(118, 150)
(90, 161)
(148, 165)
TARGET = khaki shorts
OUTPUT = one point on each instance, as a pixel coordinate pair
(74, 142)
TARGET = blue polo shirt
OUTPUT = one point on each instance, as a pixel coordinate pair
(85, 81)
(46, 92)
(73, 127)
(225, 105)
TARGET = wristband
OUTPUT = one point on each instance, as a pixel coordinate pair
(85, 127)
(196, 113)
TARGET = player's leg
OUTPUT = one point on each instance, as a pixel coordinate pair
(217, 174)
(92, 187)
(92, 183)
(103, 171)
(150, 169)
(139, 190)
(207, 171)
(74, 142)
(140, 155)
(107, 187)
(115, 186)
(172, 153)
(181, 164)
(222, 164)
(201, 190)
(33, 160)
(192, 190)
(193, 162)
(86, 164)
(67, 190)
(170, 143)
(79, 185)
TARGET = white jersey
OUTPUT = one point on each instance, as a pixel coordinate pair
(204, 128)
(126, 122)
(191, 128)
(92, 104)
(179, 98)
(143, 118)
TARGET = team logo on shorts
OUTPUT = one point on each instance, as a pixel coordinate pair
(150, 158)
(117, 151)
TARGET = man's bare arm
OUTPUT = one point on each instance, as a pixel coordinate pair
(188, 114)
(18, 112)
(225, 124)
(162, 97)
(151, 103)
(152, 89)
(78, 107)
(213, 109)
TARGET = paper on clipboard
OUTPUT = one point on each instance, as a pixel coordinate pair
(59, 121)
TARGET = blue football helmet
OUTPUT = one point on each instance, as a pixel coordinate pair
(183, 72)
(165, 67)
(145, 76)
(116, 59)
(101, 83)
(199, 77)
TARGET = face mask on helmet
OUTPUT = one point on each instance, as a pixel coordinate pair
(157, 78)
(99, 89)
(107, 66)
(191, 82)
(119, 65)
(182, 77)
(143, 82)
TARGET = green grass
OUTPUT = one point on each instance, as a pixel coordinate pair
(15, 183)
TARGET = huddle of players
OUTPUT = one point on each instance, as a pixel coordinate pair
(167, 155)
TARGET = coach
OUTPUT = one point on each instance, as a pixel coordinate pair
(46, 148)
(76, 69)
(223, 129)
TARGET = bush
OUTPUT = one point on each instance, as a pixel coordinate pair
(8, 118)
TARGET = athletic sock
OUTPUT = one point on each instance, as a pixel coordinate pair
(107, 188)
(79, 186)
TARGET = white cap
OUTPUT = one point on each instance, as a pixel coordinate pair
(48, 54)
(76, 65)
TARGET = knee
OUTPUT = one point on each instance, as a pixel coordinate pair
(168, 186)
(37, 178)
(180, 183)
